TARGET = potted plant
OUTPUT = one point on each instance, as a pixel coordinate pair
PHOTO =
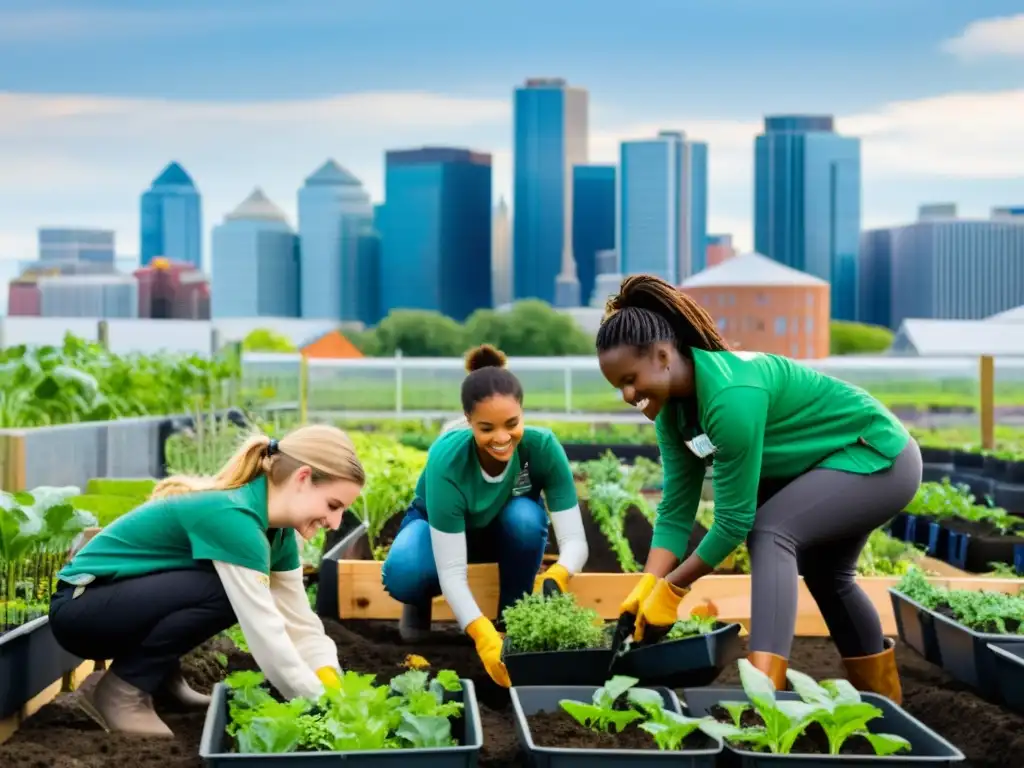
(413, 719)
(37, 529)
(615, 724)
(814, 725)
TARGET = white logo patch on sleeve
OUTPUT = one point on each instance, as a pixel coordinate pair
(701, 446)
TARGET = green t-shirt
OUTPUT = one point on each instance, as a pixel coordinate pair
(456, 496)
(175, 532)
(760, 415)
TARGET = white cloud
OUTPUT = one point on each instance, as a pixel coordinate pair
(989, 38)
(84, 160)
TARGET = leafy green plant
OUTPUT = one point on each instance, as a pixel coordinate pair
(412, 711)
(392, 470)
(835, 705)
(691, 627)
(37, 529)
(608, 712)
(987, 612)
(537, 623)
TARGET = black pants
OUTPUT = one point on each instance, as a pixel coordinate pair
(816, 526)
(145, 624)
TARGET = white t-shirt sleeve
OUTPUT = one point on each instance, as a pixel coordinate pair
(302, 625)
(572, 540)
(265, 630)
(451, 561)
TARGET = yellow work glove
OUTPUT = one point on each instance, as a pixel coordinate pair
(488, 648)
(640, 592)
(659, 610)
(329, 677)
(556, 573)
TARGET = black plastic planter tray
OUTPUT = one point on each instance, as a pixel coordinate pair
(530, 700)
(215, 743)
(915, 626)
(974, 553)
(1009, 661)
(31, 661)
(628, 452)
(691, 662)
(967, 657)
(927, 747)
(588, 666)
(351, 546)
(917, 529)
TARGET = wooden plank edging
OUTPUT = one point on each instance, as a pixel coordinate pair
(361, 595)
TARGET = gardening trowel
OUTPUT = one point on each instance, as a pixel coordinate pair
(622, 638)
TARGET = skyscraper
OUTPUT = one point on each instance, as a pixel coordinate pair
(171, 219)
(807, 202)
(946, 268)
(593, 221)
(551, 120)
(662, 206)
(501, 255)
(436, 231)
(74, 244)
(334, 213)
(255, 262)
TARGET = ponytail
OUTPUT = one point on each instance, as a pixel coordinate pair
(327, 450)
(648, 309)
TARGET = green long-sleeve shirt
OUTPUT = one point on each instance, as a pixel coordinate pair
(760, 415)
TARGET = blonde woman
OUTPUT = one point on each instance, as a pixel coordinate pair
(201, 555)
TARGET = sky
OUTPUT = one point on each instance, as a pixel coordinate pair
(97, 97)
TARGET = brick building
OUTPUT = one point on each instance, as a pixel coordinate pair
(761, 305)
(173, 290)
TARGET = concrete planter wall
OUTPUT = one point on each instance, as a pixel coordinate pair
(72, 454)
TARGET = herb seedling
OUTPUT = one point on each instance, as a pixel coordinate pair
(669, 729)
(538, 623)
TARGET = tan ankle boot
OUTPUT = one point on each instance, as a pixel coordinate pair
(772, 665)
(121, 708)
(176, 687)
(876, 673)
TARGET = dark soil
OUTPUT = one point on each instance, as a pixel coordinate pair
(60, 736)
(983, 529)
(559, 729)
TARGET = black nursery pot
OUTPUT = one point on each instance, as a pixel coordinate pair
(1009, 664)
(994, 467)
(690, 662)
(968, 461)
(927, 748)
(932, 455)
(588, 666)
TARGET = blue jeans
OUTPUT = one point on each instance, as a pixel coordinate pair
(515, 539)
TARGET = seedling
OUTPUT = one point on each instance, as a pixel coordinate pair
(409, 712)
(608, 712)
(601, 714)
(835, 705)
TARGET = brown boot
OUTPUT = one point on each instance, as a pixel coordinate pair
(176, 687)
(121, 708)
(876, 673)
(772, 665)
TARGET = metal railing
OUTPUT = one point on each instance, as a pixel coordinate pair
(422, 386)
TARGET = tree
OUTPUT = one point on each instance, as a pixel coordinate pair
(858, 338)
(266, 340)
(530, 328)
(419, 333)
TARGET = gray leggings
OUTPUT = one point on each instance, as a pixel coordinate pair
(816, 526)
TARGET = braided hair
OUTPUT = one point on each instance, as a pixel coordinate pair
(647, 310)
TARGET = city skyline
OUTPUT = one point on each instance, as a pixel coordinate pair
(936, 101)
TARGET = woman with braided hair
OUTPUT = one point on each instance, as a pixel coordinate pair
(200, 555)
(805, 467)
